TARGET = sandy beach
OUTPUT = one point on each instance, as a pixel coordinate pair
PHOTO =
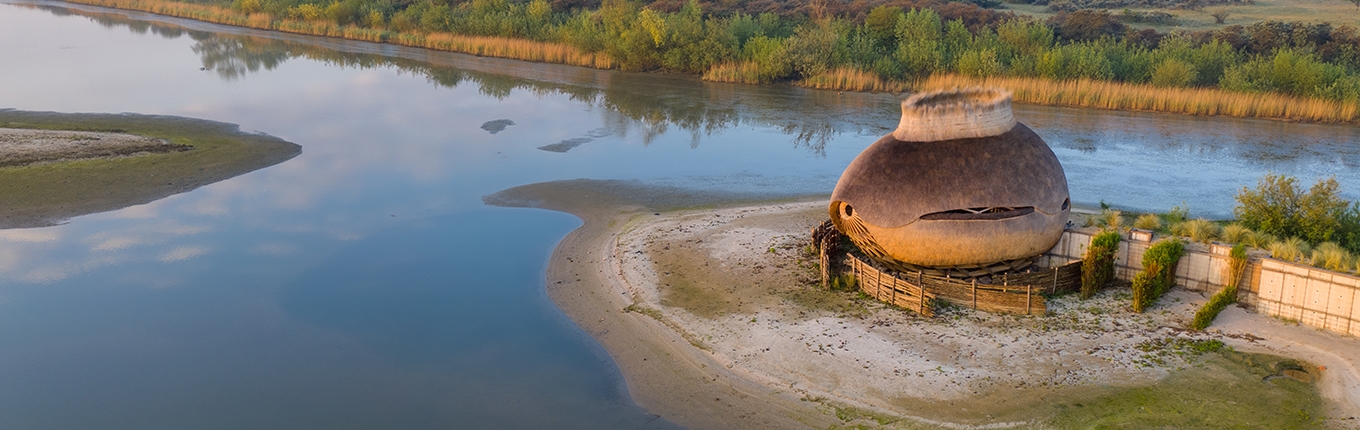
(714, 318)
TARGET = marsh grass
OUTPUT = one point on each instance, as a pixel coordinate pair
(1259, 240)
(1148, 222)
(1235, 233)
(1330, 256)
(1123, 96)
(500, 47)
(1112, 220)
(1290, 249)
(851, 79)
(1199, 230)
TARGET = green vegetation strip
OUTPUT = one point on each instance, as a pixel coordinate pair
(45, 194)
(860, 46)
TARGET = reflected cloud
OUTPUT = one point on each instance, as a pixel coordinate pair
(141, 235)
(183, 253)
(30, 235)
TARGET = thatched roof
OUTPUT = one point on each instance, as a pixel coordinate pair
(893, 183)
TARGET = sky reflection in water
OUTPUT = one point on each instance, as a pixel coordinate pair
(363, 284)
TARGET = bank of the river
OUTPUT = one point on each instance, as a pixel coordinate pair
(55, 166)
(1073, 93)
(712, 316)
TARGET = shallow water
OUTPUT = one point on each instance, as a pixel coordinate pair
(364, 283)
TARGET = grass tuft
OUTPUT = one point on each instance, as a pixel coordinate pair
(1148, 222)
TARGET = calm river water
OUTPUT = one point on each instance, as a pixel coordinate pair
(364, 284)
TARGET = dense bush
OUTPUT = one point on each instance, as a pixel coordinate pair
(1097, 267)
(1280, 206)
(1159, 273)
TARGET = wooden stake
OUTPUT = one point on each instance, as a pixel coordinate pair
(1055, 281)
(974, 294)
(920, 289)
(892, 298)
(1029, 301)
(878, 284)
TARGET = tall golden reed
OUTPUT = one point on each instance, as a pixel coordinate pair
(746, 72)
(851, 79)
(1192, 101)
(517, 49)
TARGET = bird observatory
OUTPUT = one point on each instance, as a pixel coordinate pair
(957, 204)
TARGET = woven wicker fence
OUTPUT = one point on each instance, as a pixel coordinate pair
(1015, 294)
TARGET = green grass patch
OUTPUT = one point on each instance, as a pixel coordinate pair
(1228, 389)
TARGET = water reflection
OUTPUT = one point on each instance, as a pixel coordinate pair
(647, 105)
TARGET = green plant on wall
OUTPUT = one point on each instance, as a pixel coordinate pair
(1097, 267)
(1236, 266)
(1159, 273)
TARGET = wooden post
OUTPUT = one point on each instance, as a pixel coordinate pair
(974, 294)
(1029, 301)
(878, 284)
(1055, 281)
(920, 289)
(826, 270)
(892, 298)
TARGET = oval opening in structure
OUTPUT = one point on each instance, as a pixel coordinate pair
(979, 214)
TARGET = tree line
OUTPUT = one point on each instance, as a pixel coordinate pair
(902, 41)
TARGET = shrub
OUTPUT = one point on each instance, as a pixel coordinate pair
(1159, 272)
(1097, 267)
(1148, 222)
(1228, 295)
(1280, 206)
(1176, 214)
(1174, 73)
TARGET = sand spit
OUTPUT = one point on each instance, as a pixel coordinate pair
(710, 316)
(55, 166)
(21, 147)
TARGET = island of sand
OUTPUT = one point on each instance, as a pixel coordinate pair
(55, 166)
(716, 318)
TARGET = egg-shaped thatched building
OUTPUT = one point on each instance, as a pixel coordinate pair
(959, 187)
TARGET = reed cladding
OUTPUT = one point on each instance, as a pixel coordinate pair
(1124, 96)
(500, 47)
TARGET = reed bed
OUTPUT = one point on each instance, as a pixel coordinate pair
(500, 47)
(746, 72)
(1123, 96)
(851, 79)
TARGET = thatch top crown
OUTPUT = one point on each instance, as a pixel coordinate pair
(958, 113)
